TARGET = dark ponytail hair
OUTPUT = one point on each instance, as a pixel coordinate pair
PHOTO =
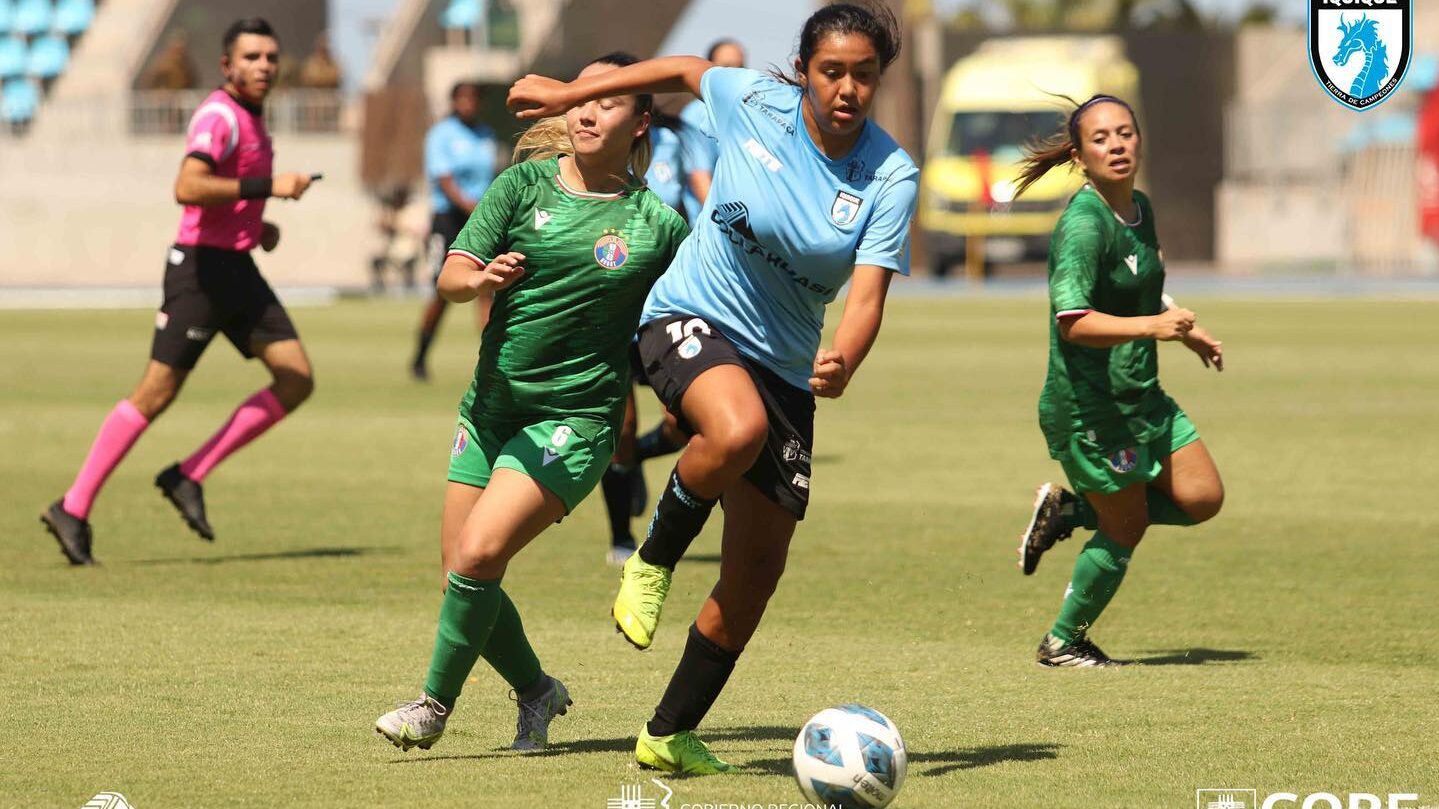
(1044, 154)
(869, 19)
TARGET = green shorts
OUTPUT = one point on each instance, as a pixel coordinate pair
(566, 456)
(1092, 469)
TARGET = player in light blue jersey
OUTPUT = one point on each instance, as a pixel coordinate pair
(701, 148)
(808, 194)
(459, 165)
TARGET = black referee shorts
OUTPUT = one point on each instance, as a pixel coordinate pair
(444, 229)
(209, 290)
(676, 350)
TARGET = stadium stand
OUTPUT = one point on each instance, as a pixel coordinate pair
(35, 41)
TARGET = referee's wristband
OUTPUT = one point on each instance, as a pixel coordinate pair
(256, 187)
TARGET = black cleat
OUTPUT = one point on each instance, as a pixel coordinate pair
(1080, 653)
(70, 531)
(187, 497)
(1047, 525)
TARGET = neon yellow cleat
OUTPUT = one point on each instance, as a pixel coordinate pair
(681, 752)
(643, 588)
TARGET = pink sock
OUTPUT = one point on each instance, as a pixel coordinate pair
(254, 416)
(119, 432)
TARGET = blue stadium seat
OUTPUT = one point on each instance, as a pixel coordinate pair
(7, 16)
(73, 17)
(48, 56)
(33, 17)
(461, 14)
(13, 56)
(18, 101)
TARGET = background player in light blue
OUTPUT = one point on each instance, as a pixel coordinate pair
(701, 148)
(807, 194)
(459, 165)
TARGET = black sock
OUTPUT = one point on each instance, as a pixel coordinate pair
(697, 682)
(679, 516)
(617, 489)
(422, 349)
(654, 444)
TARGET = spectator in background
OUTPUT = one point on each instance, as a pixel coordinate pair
(459, 163)
(320, 70)
(173, 69)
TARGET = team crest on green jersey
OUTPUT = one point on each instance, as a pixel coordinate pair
(612, 251)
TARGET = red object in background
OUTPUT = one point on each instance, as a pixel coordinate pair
(1428, 142)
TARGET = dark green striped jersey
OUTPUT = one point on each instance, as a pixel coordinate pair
(1099, 263)
(558, 340)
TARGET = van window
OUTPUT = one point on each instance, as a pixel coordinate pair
(998, 133)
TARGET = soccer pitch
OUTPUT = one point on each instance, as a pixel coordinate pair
(1290, 643)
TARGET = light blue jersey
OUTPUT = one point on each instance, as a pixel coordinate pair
(666, 175)
(784, 226)
(700, 150)
(464, 153)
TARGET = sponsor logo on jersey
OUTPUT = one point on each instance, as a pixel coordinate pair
(1124, 461)
(856, 171)
(611, 251)
(1360, 50)
(1132, 262)
(733, 221)
(541, 218)
(845, 208)
(763, 155)
(800, 482)
(690, 348)
(795, 451)
(462, 441)
(754, 99)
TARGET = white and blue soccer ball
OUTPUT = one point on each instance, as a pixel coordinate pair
(850, 756)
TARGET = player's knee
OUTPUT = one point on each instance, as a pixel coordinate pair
(1206, 507)
(292, 388)
(154, 397)
(741, 439)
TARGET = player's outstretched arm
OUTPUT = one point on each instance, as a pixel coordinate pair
(197, 184)
(858, 329)
(541, 97)
(462, 279)
(1098, 330)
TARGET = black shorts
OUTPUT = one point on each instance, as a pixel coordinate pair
(782, 471)
(444, 229)
(208, 289)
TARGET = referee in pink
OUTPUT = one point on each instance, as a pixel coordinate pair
(211, 286)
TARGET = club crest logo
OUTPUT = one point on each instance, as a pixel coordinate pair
(1124, 461)
(1360, 49)
(611, 251)
(462, 441)
(845, 208)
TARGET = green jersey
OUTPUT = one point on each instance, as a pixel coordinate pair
(1110, 396)
(557, 343)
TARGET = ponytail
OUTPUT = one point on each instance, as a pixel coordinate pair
(1045, 154)
(547, 138)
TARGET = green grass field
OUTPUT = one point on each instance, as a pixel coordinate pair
(1291, 642)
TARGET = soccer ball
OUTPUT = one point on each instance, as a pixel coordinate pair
(850, 756)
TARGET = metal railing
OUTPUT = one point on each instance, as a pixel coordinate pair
(287, 111)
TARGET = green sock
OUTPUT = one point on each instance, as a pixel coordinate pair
(1097, 574)
(466, 618)
(1164, 511)
(508, 650)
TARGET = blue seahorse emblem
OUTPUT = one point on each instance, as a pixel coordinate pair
(1363, 35)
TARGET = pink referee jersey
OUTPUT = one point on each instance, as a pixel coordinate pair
(229, 135)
